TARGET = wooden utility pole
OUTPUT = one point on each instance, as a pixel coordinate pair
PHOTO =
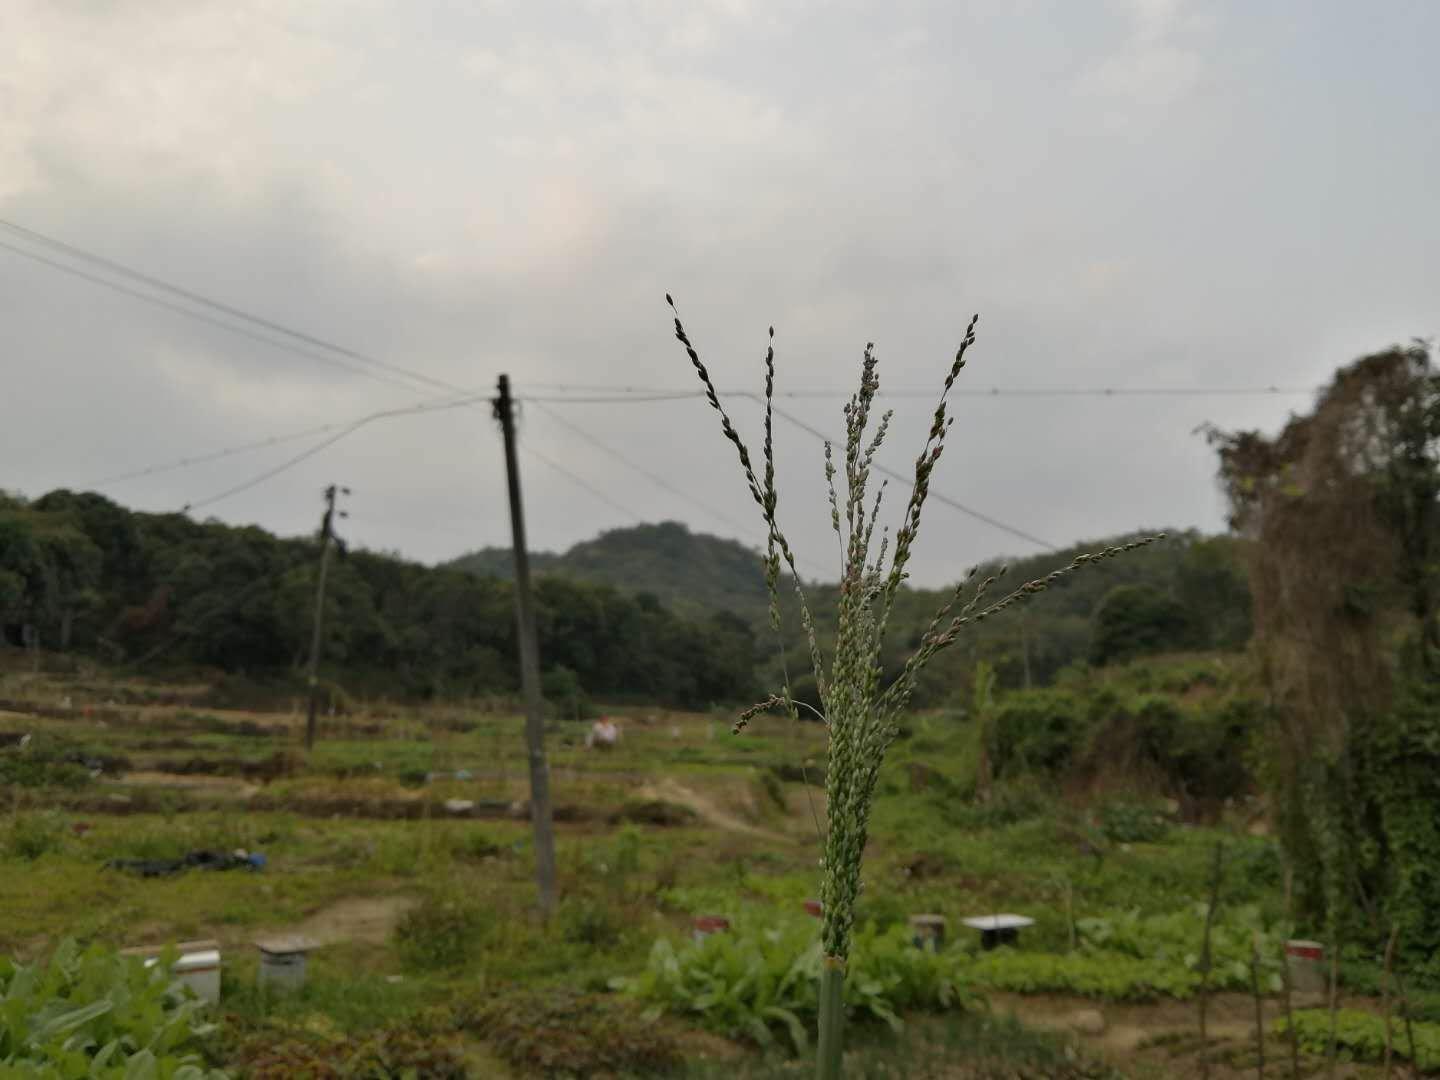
(540, 814)
(327, 533)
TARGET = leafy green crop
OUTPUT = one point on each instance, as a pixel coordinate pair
(95, 1014)
(1107, 976)
(1125, 822)
(753, 980)
(1361, 1036)
(1130, 957)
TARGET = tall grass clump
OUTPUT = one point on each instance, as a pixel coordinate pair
(859, 710)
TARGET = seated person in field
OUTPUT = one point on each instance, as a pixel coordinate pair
(604, 734)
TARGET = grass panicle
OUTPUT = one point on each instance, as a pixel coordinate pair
(860, 714)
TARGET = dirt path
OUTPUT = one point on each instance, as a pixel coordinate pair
(709, 811)
(1162, 1038)
(366, 919)
(207, 784)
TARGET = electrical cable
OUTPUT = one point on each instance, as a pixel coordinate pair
(580, 481)
(659, 481)
(203, 300)
(938, 496)
(311, 451)
(597, 395)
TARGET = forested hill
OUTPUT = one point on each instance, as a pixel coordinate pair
(1187, 592)
(690, 573)
(82, 574)
(655, 612)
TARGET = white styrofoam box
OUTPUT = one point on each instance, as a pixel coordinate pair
(200, 971)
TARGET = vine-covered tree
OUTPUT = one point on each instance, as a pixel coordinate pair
(1343, 511)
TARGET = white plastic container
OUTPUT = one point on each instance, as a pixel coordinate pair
(200, 971)
(198, 966)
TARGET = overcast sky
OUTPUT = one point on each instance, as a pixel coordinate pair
(1137, 194)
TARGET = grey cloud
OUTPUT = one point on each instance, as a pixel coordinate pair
(1141, 193)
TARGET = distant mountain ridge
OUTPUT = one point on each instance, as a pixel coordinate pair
(1186, 592)
(691, 573)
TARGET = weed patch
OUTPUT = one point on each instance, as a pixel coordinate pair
(566, 1034)
(443, 934)
(1361, 1036)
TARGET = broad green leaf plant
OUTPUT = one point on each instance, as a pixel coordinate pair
(859, 710)
(94, 1014)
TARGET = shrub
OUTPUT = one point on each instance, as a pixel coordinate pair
(33, 835)
(97, 1014)
(654, 812)
(45, 761)
(772, 789)
(474, 844)
(1009, 804)
(1133, 620)
(397, 1054)
(1126, 822)
(443, 934)
(564, 1033)
(625, 853)
(1037, 730)
(588, 921)
(1361, 1036)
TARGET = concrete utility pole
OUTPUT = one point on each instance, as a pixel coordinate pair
(540, 814)
(327, 533)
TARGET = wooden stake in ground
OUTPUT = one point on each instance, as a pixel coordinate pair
(1070, 912)
(1333, 1051)
(1385, 996)
(327, 534)
(1206, 961)
(540, 813)
(1409, 1027)
(1259, 1006)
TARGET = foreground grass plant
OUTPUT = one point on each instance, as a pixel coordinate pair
(859, 709)
(93, 1013)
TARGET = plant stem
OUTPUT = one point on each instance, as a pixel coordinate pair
(1385, 995)
(1205, 960)
(1333, 1052)
(832, 1018)
(1259, 1006)
(1409, 1028)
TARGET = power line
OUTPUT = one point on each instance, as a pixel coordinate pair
(597, 395)
(202, 459)
(609, 392)
(200, 316)
(310, 452)
(242, 448)
(209, 302)
(659, 481)
(581, 482)
(939, 496)
(612, 399)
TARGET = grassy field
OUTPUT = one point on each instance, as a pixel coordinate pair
(431, 958)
